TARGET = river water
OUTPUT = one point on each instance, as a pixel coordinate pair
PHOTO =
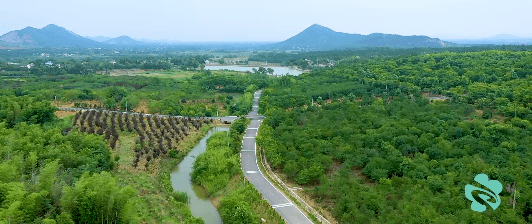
(181, 181)
(276, 70)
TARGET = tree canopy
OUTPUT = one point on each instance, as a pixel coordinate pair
(397, 139)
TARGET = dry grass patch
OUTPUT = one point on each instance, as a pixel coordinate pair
(143, 106)
(62, 114)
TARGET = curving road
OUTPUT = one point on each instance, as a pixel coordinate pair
(279, 202)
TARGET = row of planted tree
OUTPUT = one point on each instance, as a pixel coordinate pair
(156, 136)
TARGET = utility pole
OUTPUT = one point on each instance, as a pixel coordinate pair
(126, 105)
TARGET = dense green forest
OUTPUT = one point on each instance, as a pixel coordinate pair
(308, 59)
(32, 110)
(367, 142)
(39, 166)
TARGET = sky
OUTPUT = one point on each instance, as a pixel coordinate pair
(272, 20)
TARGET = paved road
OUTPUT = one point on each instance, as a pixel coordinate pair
(249, 165)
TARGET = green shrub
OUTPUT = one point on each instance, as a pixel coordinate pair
(235, 208)
(180, 197)
(486, 114)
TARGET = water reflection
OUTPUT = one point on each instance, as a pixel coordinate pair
(181, 181)
(276, 70)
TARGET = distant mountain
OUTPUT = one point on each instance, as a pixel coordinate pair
(317, 37)
(124, 40)
(99, 38)
(49, 36)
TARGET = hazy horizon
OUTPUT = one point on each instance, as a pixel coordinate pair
(273, 21)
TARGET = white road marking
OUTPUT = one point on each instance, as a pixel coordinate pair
(282, 205)
(253, 128)
(259, 171)
(247, 150)
(249, 137)
(251, 171)
(256, 163)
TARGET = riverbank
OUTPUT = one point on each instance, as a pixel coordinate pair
(199, 205)
(218, 171)
(157, 202)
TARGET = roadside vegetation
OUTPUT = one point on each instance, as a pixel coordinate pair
(218, 171)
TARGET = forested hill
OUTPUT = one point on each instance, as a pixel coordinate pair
(374, 149)
(317, 37)
(49, 36)
(53, 36)
(124, 40)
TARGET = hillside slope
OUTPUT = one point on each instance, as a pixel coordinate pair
(49, 36)
(317, 37)
(123, 40)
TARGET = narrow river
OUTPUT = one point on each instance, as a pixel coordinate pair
(181, 181)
